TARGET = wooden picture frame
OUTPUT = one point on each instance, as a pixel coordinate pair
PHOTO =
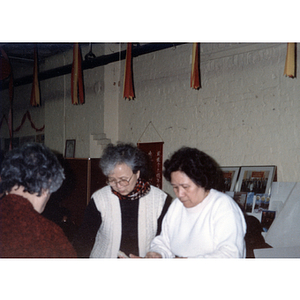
(256, 179)
(70, 148)
(230, 175)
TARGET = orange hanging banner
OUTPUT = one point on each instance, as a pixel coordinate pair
(128, 91)
(195, 74)
(290, 61)
(35, 90)
(76, 77)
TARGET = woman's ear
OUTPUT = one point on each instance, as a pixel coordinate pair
(138, 174)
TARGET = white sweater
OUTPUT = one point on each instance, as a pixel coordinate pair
(214, 228)
(108, 238)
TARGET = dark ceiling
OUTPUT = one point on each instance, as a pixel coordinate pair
(23, 52)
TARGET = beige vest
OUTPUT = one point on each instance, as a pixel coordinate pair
(108, 238)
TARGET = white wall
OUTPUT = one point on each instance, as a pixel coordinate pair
(62, 120)
(246, 113)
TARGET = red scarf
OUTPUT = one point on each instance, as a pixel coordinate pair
(141, 189)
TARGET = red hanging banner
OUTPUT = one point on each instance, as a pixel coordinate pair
(155, 151)
(128, 91)
(27, 115)
(195, 74)
(35, 90)
(76, 77)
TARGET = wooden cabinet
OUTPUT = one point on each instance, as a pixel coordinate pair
(83, 178)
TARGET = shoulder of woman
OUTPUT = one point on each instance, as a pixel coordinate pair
(223, 200)
(102, 192)
(157, 191)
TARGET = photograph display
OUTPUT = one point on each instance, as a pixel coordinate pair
(257, 180)
(230, 175)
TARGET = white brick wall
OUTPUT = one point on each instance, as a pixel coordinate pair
(246, 113)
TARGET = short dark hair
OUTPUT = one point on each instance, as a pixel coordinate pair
(126, 153)
(197, 165)
(32, 166)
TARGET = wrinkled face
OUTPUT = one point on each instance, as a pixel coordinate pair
(186, 190)
(122, 179)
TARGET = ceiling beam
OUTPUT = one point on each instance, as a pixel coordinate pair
(93, 63)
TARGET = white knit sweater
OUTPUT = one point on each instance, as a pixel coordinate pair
(214, 228)
(108, 238)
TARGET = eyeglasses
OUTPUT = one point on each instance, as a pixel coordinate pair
(122, 182)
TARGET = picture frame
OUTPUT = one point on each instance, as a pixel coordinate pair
(70, 148)
(256, 179)
(241, 199)
(230, 175)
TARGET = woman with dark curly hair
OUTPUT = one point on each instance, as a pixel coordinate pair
(201, 222)
(29, 175)
(123, 217)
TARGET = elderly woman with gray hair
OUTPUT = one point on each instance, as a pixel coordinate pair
(123, 217)
(29, 175)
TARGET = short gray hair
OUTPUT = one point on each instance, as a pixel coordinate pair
(128, 154)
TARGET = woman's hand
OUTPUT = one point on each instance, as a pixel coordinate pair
(153, 255)
(134, 256)
(148, 255)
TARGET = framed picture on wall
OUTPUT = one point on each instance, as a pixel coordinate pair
(256, 179)
(230, 175)
(70, 148)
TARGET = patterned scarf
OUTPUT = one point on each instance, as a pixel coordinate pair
(141, 189)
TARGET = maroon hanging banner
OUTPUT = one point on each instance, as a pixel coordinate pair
(155, 151)
(128, 90)
(6, 71)
(195, 74)
(35, 90)
(77, 90)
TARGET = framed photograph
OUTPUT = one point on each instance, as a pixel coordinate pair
(70, 148)
(250, 202)
(230, 175)
(262, 202)
(257, 180)
(241, 199)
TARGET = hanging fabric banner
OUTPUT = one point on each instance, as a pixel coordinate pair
(76, 77)
(5, 68)
(128, 90)
(155, 151)
(6, 71)
(35, 90)
(290, 61)
(3, 119)
(195, 74)
(27, 115)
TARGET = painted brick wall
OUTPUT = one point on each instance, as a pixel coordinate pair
(246, 113)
